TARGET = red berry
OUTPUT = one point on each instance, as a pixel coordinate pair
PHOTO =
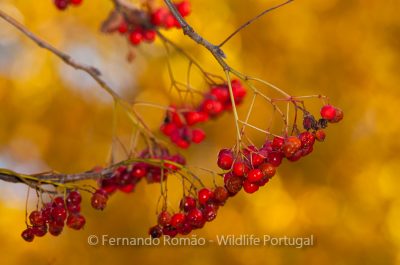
(220, 93)
(59, 213)
(240, 169)
(164, 218)
(74, 208)
(268, 170)
(291, 146)
(170, 231)
(210, 212)
(28, 235)
(99, 199)
(320, 135)
(225, 159)
(39, 230)
(123, 27)
(198, 135)
(149, 35)
(36, 218)
(135, 37)
(58, 202)
(177, 220)
(185, 229)
(256, 159)
(307, 139)
(158, 16)
(328, 112)
(338, 117)
(212, 107)
(169, 21)
(74, 198)
(250, 187)
(205, 195)
(187, 203)
(277, 143)
(76, 2)
(76, 221)
(61, 4)
(192, 117)
(139, 171)
(275, 158)
(55, 230)
(254, 175)
(195, 218)
(184, 8)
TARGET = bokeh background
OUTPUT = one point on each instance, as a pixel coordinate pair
(347, 193)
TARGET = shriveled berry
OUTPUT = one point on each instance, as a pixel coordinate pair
(291, 146)
(268, 170)
(233, 184)
(338, 117)
(28, 235)
(155, 231)
(306, 139)
(220, 194)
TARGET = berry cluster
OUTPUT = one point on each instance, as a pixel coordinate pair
(178, 123)
(125, 178)
(146, 29)
(253, 167)
(194, 213)
(63, 4)
(54, 215)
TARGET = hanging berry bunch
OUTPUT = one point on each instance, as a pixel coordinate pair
(54, 216)
(179, 122)
(142, 25)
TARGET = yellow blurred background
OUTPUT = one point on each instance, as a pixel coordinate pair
(346, 193)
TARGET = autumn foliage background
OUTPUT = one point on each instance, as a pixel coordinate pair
(346, 193)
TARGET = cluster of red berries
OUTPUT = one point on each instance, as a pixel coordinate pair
(178, 123)
(162, 17)
(194, 213)
(125, 178)
(63, 4)
(54, 215)
(146, 30)
(254, 167)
